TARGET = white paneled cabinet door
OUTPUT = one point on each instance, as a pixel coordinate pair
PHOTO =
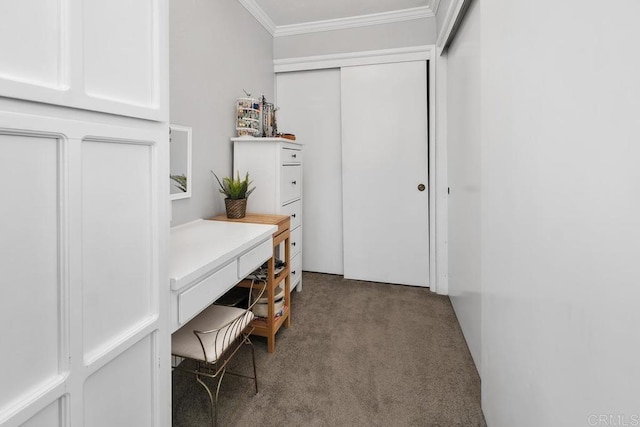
(84, 214)
(309, 103)
(384, 173)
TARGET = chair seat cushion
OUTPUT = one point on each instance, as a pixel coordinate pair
(227, 324)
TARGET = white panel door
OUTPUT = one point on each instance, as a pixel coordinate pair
(84, 215)
(309, 104)
(384, 162)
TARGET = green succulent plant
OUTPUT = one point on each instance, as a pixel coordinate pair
(180, 181)
(234, 188)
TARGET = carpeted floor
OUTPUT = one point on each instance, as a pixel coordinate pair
(357, 354)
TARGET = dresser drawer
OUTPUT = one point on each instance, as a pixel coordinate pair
(296, 270)
(202, 294)
(294, 210)
(290, 183)
(295, 241)
(290, 155)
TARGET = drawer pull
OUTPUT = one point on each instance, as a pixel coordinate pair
(294, 156)
(293, 243)
(293, 272)
(294, 182)
(293, 215)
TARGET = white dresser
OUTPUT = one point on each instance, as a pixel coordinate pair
(275, 167)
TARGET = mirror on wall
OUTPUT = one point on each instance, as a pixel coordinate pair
(180, 162)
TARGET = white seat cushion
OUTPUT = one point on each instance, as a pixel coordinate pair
(184, 342)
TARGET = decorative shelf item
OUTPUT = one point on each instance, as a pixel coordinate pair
(248, 116)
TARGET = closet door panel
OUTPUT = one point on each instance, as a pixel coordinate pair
(309, 104)
(384, 163)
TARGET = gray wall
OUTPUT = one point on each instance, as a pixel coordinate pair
(217, 49)
(463, 121)
(398, 34)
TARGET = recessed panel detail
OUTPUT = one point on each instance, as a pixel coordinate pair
(121, 392)
(116, 241)
(31, 42)
(29, 265)
(122, 67)
(51, 416)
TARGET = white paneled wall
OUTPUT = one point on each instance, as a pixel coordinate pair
(84, 213)
(100, 56)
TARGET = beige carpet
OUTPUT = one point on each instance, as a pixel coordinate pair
(357, 354)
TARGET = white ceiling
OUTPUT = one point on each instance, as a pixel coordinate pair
(286, 17)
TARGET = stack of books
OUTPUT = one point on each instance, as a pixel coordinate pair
(261, 273)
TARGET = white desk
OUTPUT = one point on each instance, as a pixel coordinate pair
(210, 257)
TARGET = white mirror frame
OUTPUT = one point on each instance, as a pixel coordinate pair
(183, 195)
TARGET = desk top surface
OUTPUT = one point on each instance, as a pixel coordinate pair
(282, 221)
(200, 246)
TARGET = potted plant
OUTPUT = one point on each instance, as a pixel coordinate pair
(236, 192)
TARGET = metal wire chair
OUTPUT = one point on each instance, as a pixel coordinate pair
(211, 340)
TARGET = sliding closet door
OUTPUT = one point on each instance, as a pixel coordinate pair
(384, 173)
(309, 104)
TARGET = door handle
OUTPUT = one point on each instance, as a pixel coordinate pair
(421, 187)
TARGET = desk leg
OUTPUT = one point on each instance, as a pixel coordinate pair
(287, 282)
(271, 339)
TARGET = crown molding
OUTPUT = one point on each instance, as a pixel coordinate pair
(340, 23)
(449, 21)
(355, 21)
(348, 59)
(433, 5)
(260, 15)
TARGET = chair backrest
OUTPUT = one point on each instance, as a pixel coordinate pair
(230, 323)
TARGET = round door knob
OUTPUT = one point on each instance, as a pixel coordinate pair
(421, 187)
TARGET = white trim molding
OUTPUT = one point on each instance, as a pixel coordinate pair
(449, 21)
(355, 21)
(403, 54)
(339, 23)
(433, 5)
(260, 15)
